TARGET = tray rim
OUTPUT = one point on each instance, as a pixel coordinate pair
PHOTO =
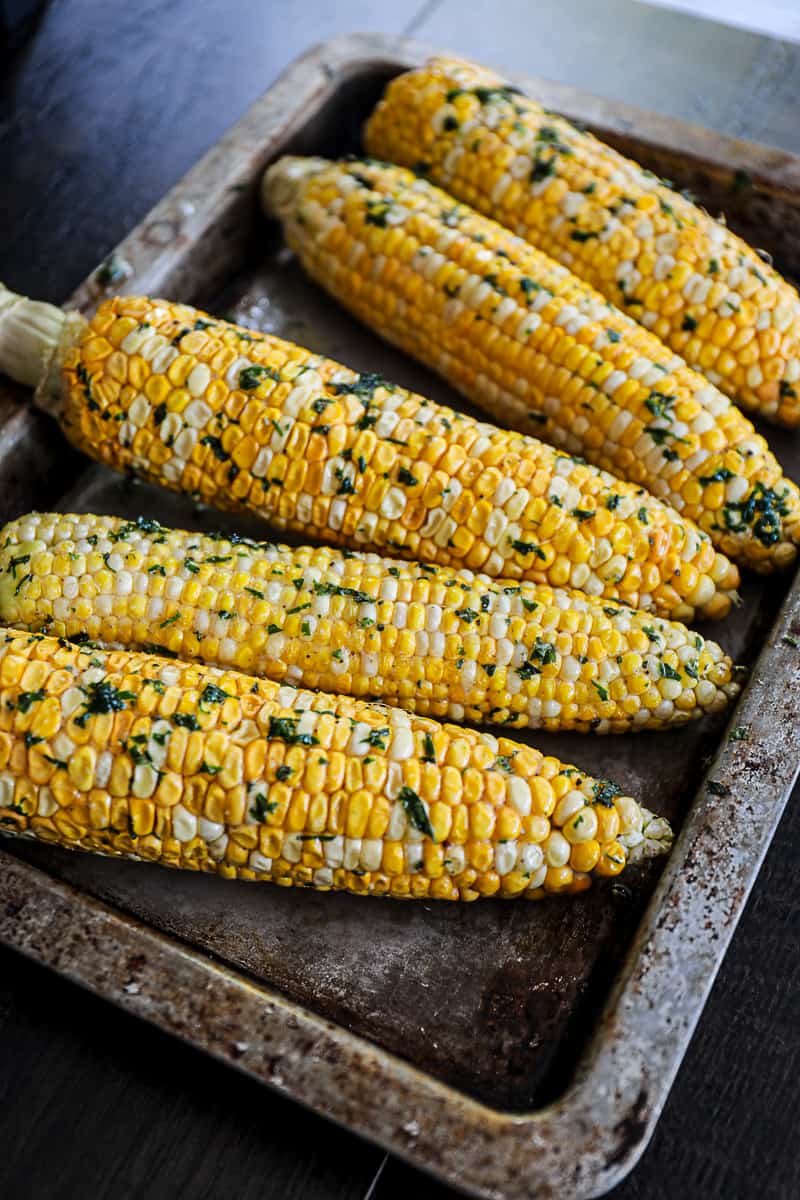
(608, 1113)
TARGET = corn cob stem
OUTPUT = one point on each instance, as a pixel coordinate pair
(534, 345)
(443, 643)
(31, 335)
(137, 757)
(647, 248)
(247, 421)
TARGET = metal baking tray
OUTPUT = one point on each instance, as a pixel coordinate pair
(512, 1049)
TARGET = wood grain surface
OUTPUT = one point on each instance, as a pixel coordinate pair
(100, 112)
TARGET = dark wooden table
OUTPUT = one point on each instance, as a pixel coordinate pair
(100, 112)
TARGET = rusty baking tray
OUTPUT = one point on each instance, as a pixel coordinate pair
(513, 1049)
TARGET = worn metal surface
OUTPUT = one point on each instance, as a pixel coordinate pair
(475, 1030)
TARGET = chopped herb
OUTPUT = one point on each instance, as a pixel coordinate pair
(718, 789)
(668, 672)
(788, 640)
(786, 389)
(583, 235)
(31, 739)
(722, 475)
(364, 386)
(211, 694)
(185, 720)
(542, 168)
(613, 336)
(528, 670)
(543, 652)
(104, 697)
(467, 614)
(415, 810)
(254, 592)
(345, 487)
(17, 562)
(285, 728)
(529, 286)
(659, 405)
(57, 762)
(739, 733)
(26, 699)
(262, 808)
(251, 377)
(377, 738)
(601, 691)
(215, 445)
(336, 589)
(527, 548)
(112, 270)
(169, 620)
(157, 569)
(604, 792)
(429, 750)
(689, 324)
(761, 512)
(405, 476)
(283, 772)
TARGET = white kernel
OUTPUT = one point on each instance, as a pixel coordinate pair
(505, 857)
(46, 804)
(736, 489)
(519, 795)
(184, 824)
(570, 804)
(393, 503)
(402, 744)
(371, 854)
(333, 851)
(197, 414)
(145, 780)
(198, 380)
(455, 860)
(398, 823)
(614, 381)
(556, 850)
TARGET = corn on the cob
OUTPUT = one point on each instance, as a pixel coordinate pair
(135, 756)
(647, 248)
(534, 345)
(443, 643)
(247, 421)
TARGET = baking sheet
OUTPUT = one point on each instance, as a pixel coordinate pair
(485, 1019)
